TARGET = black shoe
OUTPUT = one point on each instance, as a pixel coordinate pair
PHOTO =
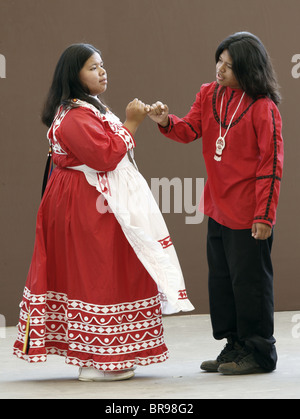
(228, 354)
(243, 364)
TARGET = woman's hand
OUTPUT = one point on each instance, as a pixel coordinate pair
(136, 112)
(261, 231)
(159, 113)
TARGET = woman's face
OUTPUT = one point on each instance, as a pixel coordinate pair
(93, 76)
(225, 76)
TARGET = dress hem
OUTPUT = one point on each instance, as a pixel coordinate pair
(92, 363)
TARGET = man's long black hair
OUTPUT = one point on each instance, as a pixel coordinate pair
(251, 65)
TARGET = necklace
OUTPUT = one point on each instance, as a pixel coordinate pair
(220, 143)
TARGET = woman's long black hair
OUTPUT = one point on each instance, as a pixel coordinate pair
(251, 65)
(66, 84)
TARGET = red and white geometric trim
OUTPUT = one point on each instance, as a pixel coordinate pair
(103, 336)
(118, 128)
(113, 122)
(56, 147)
(111, 366)
(103, 182)
(126, 137)
(182, 295)
(166, 242)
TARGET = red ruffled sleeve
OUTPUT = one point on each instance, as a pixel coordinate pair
(95, 142)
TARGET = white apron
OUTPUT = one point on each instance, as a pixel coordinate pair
(126, 193)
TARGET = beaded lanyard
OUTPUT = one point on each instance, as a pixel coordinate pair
(220, 143)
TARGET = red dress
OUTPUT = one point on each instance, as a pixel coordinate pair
(88, 297)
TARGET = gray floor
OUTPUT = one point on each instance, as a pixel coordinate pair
(189, 341)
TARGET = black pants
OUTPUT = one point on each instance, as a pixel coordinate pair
(241, 290)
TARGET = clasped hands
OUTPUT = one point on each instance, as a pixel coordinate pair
(159, 113)
(137, 110)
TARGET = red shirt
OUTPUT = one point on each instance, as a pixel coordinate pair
(243, 187)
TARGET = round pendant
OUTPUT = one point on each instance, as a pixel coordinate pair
(220, 145)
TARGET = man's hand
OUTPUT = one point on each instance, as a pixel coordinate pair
(159, 113)
(261, 231)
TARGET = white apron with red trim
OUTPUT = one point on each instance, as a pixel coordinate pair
(126, 193)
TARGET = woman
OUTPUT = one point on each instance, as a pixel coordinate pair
(240, 125)
(104, 268)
